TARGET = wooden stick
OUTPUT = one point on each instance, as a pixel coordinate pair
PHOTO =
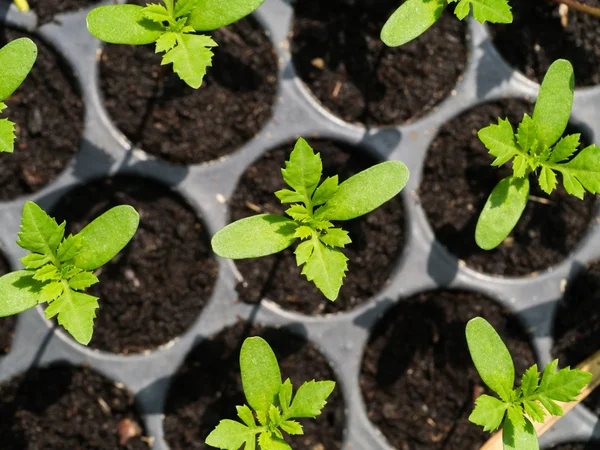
(591, 365)
(579, 7)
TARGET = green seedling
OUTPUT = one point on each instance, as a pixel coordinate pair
(58, 270)
(174, 28)
(516, 408)
(415, 17)
(16, 60)
(313, 208)
(538, 147)
(271, 401)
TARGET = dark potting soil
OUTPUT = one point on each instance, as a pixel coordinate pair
(7, 324)
(61, 407)
(48, 113)
(536, 38)
(338, 53)
(457, 180)
(167, 118)
(207, 388)
(45, 10)
(377, 238)
(157, 286)
(417, 378)
(577, 324)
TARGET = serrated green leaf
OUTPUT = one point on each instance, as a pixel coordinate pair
(47, 273)
(583, 170)
(156, 13)
(303, 232)
(489, 412)
(516, 415)
(527, 133)
(292, 427)
(325, 191)
(7, 136)
(565, 148)
(491, 357)
(285, 396)
(287, 196)
(519, 438)
(267, 441)
(365, 191)
(310, 399)
(495, 11)
(246, 415)
(231, 435)
(303, 170)
(530, 381)
(303, 252)
(534, 411)
(76, 313)
(16, 60)
(520, 166)
(547, 179)
(212, 14)
(336, 237)
(297, 212)
(52, 291)
(262, 417)
(185, 7)
(122, 24)
(35, 260)
(18, 292)
(191, 57)
(554, 103)
(501, 212)
(39, 232)
(166, 42)
(275, 414)
(564, 385)
(106, 236)
(254, 236)
(326, 268)
(69, 248)
(500, 141)
(261, 377)
(410, 20)
(83, 281)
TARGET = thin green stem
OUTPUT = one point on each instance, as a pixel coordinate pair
(579, 7)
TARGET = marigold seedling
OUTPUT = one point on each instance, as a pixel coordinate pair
(313, 208)
(173, 27)
(271, 401)
(414, 17)
(515, 408)
(58, 270)
(537, 145)
(16, 60)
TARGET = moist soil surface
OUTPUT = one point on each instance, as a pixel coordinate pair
(48, 113)
(417, 376)
(577, 324)
(536, 38)
(457, 180)
(161, 114)
(47, 9)
(60, 407)
(338, 53)
(377, 238)
(157, 286)
(7, 324)
(207, 388)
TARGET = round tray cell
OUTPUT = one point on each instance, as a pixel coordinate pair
(155, 289)
(7, 324)
(161, 114)
(457, 180)
(537, 37)
(45, 10)
(377, 238)
(208, 386)
(64, 407)
(338, 53)
(417, 378)
(577, 324)
(48, 113)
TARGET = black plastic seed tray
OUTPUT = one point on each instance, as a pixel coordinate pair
(424, 265)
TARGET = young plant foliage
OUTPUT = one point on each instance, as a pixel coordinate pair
(173, 27)
(58, 269)
(272, 401)
(16, 60)
(537, 147)
(414, 17)
(516, 408)
(313, 207)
